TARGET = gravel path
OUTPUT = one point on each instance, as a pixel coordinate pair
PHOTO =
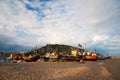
(90, 70)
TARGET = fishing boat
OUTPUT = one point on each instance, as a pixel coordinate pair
(72, 57)
(51, 57)
(92, 56)
(31, 58)
(16, 57)
(100, 56)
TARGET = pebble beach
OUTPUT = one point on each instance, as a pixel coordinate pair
(88, 70)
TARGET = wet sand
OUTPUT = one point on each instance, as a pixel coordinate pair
(89, 70)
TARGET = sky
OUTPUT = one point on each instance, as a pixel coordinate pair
(95, 24)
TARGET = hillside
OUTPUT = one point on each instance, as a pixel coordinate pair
(54, 47)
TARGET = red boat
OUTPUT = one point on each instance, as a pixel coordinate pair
(91, 57)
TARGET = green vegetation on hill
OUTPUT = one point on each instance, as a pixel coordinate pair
(54, 47)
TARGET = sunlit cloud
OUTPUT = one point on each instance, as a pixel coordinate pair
(100, 38)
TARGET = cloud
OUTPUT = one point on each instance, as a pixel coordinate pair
(16, 20)
(38, 22)
(100, 38)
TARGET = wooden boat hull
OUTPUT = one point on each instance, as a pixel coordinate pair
(71, 59)
(33, 58)
(17, 57)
